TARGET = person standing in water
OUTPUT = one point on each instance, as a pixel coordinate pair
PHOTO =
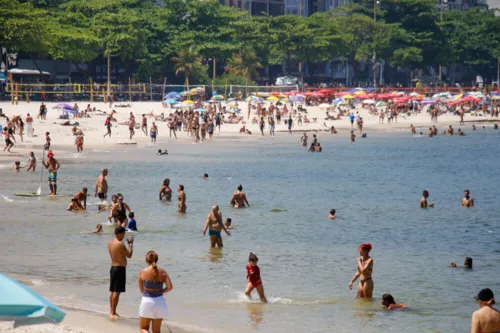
(52, 165)
(423, 200)
(467, 201)
(119, 254)
(215, 226)
(181, 199)
(120, 210)
(364, 272)
(81, 197)
(253, 277)
(165, 191)
(239, 199)
(101, 186)
(303, 139)
(487, 318)
(153, 308)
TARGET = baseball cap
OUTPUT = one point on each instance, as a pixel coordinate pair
(50, 154)
(485, 295)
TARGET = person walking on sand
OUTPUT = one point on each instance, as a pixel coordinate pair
(79, 143)
(215, 225)
(101, 186)
(29, 125)
(153, 132)
(52, 165)
(107, 123)
(253, 277)
(119, 254)
(239, 199)
(131, 127)
(153, 308)
(8, 142)
(181, 204)
(364, 272)
(144, 125)
(290, 124)
(487, 318)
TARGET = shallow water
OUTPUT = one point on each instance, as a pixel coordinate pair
(306, 260)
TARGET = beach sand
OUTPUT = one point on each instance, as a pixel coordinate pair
(81, 322)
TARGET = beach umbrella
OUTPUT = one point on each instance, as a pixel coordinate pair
(326, 91)
(338, 101)
(427, 101)
(63, 106)
(262, 94)
(296, 98)
(348, 97)
(414, 94)
(189, 102)
(441, 95)
(231, 105)
(22, 305)
(200, 110)
(380, 104)
(217, 98)
(359, 92)
(272, 98)
(496, 97)
(173, 95)
(470, 99)
(72, 111)
(231, 100)
(171, 101)
(324, 106)
(369, 101)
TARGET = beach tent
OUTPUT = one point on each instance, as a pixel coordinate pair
(22, 305)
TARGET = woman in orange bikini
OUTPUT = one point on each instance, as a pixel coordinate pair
(364, 272)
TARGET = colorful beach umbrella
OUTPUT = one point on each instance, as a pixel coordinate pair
(217, 98)
(22, 305)
(171, 101)
(200, 110)
(189, 102)
(348, 97)
(173, 95)
(324, 106)
(63, 106)
(272, 98)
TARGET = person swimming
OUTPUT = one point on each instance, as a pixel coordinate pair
(227, 223)
(205, 176)
(389, 302)
(98, 229)
(332, 216)
(165, 152)
(467, 263)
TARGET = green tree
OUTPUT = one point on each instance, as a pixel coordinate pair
(188, 61)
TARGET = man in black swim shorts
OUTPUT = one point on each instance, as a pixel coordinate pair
(119, 254)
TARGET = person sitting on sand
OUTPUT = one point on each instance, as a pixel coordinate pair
(423, 200)
(331, 216)
(74, 205)
(467, 263)
(98, 229)
(239, 199)
(389, 303)
(164, 152)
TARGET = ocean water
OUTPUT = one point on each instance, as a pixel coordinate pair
(306, 261)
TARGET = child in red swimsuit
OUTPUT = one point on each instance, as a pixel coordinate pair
(253, 277)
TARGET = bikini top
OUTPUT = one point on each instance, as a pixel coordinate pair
(152, 288)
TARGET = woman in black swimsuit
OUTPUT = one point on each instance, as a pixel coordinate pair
(121, 211)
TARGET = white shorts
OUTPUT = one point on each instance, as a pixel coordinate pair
(153, 308)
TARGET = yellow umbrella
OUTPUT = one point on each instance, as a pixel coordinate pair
(189, 102)
(457, 97)
(348, 97)
(360, 92)
(272, 98)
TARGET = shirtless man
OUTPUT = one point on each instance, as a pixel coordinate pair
(8, 142)
(214, 225)
(467, 201)
(423, 200)
(413, 130)
(101, 186)
(79, 143)
(119, 254)
(144, 125)
(181, 199)
(153, 132)
(82, 198)
(52, 165)
(131, 127)
(239, 199)
(431, 132)
(487, 318)
(171, 128)
(450, 131)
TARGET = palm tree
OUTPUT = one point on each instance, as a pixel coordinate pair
(188, 61)
(244, 63)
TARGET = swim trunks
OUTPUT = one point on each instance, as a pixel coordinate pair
(214, 233)
(101, 195)
(8, 142)
(117, 275)
(153, 135)
(52, 178)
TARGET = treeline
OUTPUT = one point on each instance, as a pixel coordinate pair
(178, 38)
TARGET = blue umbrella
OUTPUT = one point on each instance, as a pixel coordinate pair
(174, 95)
(72, 111)
(25, 307)
(200, 110)
(171, 101)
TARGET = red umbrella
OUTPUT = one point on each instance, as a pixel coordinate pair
(325, 91)
(314, 94)
(470, 99)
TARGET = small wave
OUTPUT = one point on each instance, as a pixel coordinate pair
(6, 198)
(35, 282)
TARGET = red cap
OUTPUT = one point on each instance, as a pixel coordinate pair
(50, 154)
